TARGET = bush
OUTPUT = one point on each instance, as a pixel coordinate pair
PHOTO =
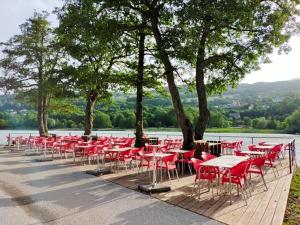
(293, 122)
(259, 123)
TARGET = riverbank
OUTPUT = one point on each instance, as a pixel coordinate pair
(173, 129)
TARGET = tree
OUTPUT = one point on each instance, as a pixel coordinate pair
(160, 17)
(247, 121)
(91, 37)
(29, 61)
(102, 120)
(217, 119)
(231, 38)
(259, 123)
(293, 122)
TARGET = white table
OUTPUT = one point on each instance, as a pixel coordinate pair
(117, 151)
(226, 162)
(180, 152)
(263, 147)
(254, 153)
(270, 143)
(154, 156)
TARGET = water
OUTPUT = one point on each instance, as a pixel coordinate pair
(246, 137)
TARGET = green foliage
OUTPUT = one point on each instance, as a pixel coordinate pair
(293, 122)
(259, 123)
(247, 122)
(217, 119)
(102, 120)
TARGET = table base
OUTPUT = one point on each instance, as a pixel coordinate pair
(32, 153)
(98, 172)
(151, 188)
(44, 160)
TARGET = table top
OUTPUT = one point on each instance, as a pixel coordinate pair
(225, 161)
(270, 143)
(117, 149)
(263, 147)
(180, 151)
(158, 155)
(200, 141)
(154, 145)
(84, 146)
(253, 152)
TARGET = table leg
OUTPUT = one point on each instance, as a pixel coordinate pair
(230, 187)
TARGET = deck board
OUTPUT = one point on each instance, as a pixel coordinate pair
(263, 207)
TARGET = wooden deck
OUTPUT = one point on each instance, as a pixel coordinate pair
(263, 207)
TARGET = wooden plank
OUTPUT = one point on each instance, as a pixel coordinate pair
(269, 213)
(253, 206)
(281, 205)
(262, 207)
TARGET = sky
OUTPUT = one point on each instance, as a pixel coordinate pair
(15, 12)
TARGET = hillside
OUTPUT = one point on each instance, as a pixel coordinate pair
(264, 89)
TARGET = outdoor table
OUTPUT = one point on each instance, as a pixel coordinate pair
(179, 152)
(80, 147)
(117, 151)
(45, 149)
(255, 153)
(156, 155)
(99, 170)
(270, 143)
(263, 147)
(227, 162)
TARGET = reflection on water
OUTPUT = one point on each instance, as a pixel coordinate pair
(246, 137)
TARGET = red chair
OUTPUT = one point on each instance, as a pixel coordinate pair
(240, 153)
(67, 148)
(168, 164)
(207, 156)
(145, 161)
(271, 161)
(238, 175)
(251, 147)
(135, 154)
(204, 173)
(257, 167)
(187, 159)
(125, 157)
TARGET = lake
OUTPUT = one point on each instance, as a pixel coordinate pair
(248, 138)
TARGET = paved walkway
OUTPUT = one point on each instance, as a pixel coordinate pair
(56, 193)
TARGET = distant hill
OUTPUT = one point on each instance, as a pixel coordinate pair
(267, 89)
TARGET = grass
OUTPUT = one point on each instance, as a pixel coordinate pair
(208, 130)
(242, 130)
(292, 213)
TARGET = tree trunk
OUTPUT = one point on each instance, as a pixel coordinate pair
(40, 117)
(184, 122)
(45, 113)
(89, 112)
(203, 118)
(139, 130)
(201, 90)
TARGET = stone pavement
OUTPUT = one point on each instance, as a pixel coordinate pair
(59, 193)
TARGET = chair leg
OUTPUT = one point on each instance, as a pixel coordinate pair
(190, 169)
(169, 175)
(263, 178)
(177, 174)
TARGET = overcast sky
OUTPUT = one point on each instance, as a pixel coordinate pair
(15, 12)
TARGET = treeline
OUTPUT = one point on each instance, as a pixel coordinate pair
(158, 112)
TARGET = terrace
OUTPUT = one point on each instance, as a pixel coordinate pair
(261, 207)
